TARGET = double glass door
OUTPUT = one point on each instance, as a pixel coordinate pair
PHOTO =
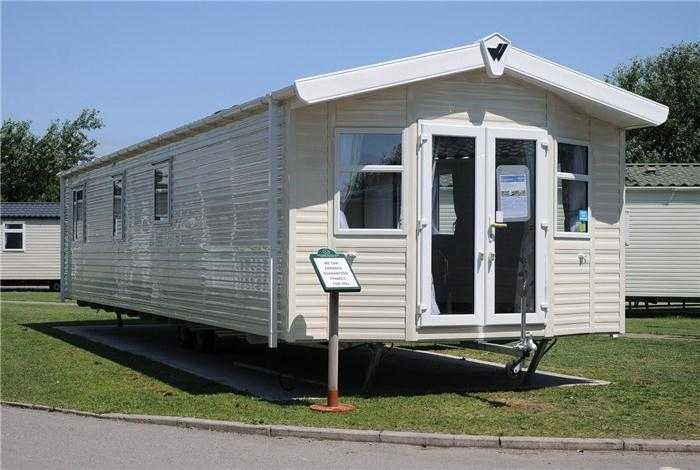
(481, 228)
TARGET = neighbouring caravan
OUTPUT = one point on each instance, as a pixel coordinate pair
(662, 236)
(31, 241)
(468, 185)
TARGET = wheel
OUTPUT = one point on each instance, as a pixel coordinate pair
(514, 370)
(184, 337)
(204, 340)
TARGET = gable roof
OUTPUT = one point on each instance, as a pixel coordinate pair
(595, 97)
(29, 210)
(671, 175)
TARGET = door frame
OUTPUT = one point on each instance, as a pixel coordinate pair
(427, 130)
(542, 228)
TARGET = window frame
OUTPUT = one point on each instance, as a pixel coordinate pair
(23, 231)
(80, 187)
(155, 166)
(563, 175)
(400, 169)
(122, 177)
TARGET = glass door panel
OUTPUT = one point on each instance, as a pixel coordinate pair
(452, 244)
(516, 174)
(515, 197)
(452, 175)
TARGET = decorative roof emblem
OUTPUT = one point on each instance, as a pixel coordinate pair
(495, 49)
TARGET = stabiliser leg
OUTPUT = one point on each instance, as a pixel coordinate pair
(543, 347)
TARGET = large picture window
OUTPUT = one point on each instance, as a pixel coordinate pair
(79, 213)
(13, 236)
(573, 179)
(368, 180)
(161, 192)
(118, 207)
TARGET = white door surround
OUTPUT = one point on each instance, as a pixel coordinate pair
(484, 242)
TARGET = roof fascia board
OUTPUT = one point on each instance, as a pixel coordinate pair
(388, 74)
(531, 67)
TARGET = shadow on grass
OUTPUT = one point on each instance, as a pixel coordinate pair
(182, 380)
(401, 373)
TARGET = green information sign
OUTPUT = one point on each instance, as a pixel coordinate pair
(334, 271)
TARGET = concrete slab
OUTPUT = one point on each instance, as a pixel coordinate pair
(159, 343)
(298, 373)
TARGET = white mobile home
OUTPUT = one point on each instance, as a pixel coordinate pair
(662, 242)
(529, 155)
(31, 241)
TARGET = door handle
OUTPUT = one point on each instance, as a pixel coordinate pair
(498, 225)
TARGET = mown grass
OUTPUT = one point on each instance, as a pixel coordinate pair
(666, 325)
(655, 390)
(30, 295)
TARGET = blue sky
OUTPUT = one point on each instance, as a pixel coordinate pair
(149, 67)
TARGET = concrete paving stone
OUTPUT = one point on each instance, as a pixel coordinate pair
(561, 443)
(353, 435)
(662, 445)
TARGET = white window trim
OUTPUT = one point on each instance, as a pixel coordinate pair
(572, 177)
(22, 230)
(169, 162)
(370, 168)
(122, 177)
(80, 187)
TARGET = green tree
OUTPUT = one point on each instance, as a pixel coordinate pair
(29, 163)
(672, 78)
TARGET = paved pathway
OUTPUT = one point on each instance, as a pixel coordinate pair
(39, 439)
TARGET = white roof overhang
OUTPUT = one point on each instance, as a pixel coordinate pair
(593, 96)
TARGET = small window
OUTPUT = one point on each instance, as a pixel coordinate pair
(79, 214)
(118, 207)
(573, 180)
(369, 180)
(161, 193)
(13, 236)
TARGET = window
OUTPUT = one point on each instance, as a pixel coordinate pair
(13, 236)
(118, 207)
(161, 193)
(369, 179)
(79, 213)
(572, 189)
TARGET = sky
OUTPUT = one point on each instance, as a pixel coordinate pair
(150, 67)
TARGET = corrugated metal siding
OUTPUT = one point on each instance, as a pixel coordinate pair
(663, 251)
(380, 310)
(210, 264)
(309, 224)
(606, 214)
(571, 308)
(41, 256)
(570, 279)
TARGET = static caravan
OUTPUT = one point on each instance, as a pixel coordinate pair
(469, 186)
(31, 241)
(662, 236)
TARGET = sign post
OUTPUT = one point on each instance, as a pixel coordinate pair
(336, 275)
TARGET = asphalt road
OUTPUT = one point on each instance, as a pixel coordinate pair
(39, 439)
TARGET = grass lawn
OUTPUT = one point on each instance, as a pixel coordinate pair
(673, 326)
(30, 295)
(655, 390)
